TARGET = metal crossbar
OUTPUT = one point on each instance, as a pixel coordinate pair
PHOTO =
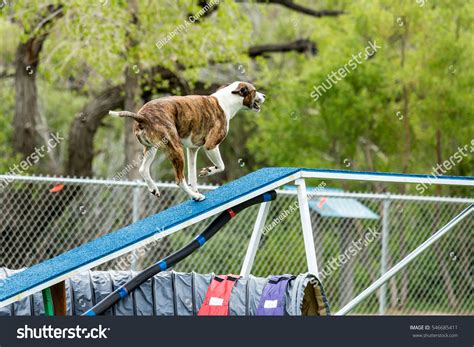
(405, 261)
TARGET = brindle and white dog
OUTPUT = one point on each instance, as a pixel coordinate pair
(192, 121)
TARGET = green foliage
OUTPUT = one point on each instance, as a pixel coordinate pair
(386, 114)
(362, 120)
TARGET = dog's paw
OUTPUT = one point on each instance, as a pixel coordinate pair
(204, 172)
(198, 197)
(207, 171)
(155, 192)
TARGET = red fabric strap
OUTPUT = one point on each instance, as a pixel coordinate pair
(216, 302)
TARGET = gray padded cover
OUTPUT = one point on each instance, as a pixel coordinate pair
(125, 306)
(163, 293)
(201, 282)
(166, 294)
(81, 293)
(102, 284)
(255, 289)
(143, 298)
(183, 293)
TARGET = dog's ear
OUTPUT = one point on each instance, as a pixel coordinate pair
(242, 90)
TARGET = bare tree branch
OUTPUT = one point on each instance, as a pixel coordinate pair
(299, 8)
(210, 10)
(301, 46)
(6, 74)
(54, 13)
(290, 4)
(174, 79)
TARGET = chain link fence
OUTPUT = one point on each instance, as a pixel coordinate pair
(42, 217)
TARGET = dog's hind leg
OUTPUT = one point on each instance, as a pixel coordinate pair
(214, 156)
(191, 154)
(148, 156)
(176, 156)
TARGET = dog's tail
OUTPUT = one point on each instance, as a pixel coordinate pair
(126, 114)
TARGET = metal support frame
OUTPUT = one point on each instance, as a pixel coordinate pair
(385, 250)
(306, 226)
(135, 217)
(136, 203)
(298, 177)
(405, 261)
(255, 239)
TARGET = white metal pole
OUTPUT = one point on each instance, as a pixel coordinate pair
(306, 226)
(135, 216)
(405, 261)
(384, 258)
(255, 239)
(387, 177)
(136, 204)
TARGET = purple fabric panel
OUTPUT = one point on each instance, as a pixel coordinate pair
(272, 301)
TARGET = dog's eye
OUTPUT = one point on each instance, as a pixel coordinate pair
(243, 91)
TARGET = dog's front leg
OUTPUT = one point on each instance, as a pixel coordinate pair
(191, 154)
(148, 156)
(214, 156)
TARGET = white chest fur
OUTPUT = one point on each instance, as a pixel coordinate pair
(230, 103)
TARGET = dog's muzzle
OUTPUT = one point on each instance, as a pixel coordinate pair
(259, 99)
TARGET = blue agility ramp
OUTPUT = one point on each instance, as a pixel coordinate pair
(131, 237)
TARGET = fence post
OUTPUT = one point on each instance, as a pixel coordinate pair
(384, 259)
(135, 215)
(136, 204)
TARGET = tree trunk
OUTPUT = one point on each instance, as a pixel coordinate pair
(26, 137)
(25, 121)
(84, 127)
(133, 149)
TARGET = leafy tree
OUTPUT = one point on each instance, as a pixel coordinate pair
(400, 110)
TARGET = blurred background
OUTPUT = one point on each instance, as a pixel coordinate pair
(406, 107)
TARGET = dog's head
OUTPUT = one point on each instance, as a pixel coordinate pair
(247, 94)
(250, 97)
